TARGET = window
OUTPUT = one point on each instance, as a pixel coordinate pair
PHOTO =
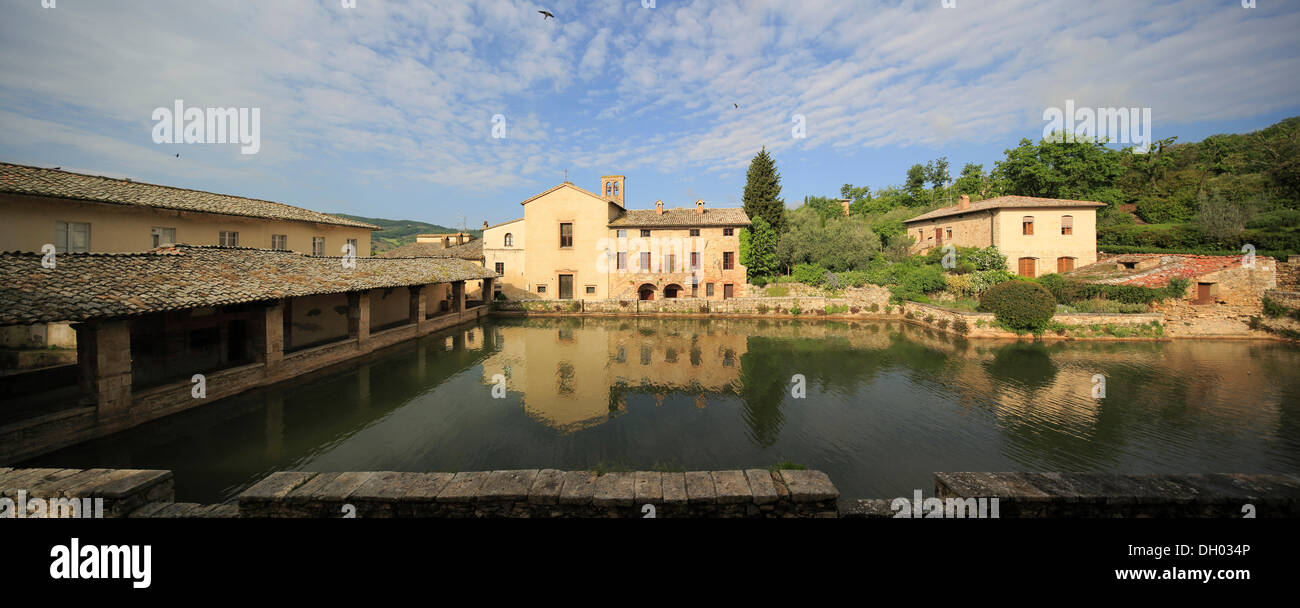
(1028, 267)
(645, 234)
(500, 267)
(695, 232)
(949, 233)
(728, 260)
(72, 237)
(566, 235)
(1064, 264)
(280, 242)
(510, 240)
(695, 260)
(1067, 225)
(621, 261)
(541, 289)
(228, 239)
(670, 263)
(591, 290)
(622, 234)
(163, 236)
(318, 245)
(708, 290)
(609, 188)
(353, 243)
(728, 231)
(645, 261)
(1027, 225)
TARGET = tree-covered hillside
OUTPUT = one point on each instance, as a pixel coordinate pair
(396, 233)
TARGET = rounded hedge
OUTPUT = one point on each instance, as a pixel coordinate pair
(1020, 305)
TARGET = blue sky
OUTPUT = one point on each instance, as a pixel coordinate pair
(385, 110)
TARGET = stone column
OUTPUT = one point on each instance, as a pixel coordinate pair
(267, 333)
(104, 366)
(487, 292)
(458, 297)
(359, 317)
(418, 306)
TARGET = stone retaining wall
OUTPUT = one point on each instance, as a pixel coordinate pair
(122, 490)
(542, 493)
(1077, 325)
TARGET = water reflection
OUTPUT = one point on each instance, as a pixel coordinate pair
(887, 405)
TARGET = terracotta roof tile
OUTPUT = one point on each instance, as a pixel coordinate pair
(1004, 202)
(472, 250)
(683, 218)
(98, 285)
(36, 181)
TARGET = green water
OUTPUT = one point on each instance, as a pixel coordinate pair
(886, 405)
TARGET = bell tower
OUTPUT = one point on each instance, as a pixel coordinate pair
(611, 188)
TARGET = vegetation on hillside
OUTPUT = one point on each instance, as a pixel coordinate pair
(396, 233)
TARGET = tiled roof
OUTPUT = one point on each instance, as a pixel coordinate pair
(472, 250)
(504, 223)
(564, 185)
(683, 218)
(1004, 202)
(100, 285)
(36, 181)
(1170, 267)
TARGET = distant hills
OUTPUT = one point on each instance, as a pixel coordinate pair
(396, 233)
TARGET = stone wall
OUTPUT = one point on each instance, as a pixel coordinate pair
(858, 303)
(1076, 325)
(1112, 495)
(543, 493)
(122, 490)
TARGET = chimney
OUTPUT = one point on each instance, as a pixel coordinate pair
(844, 202)
(964, 202)
(659, 207)
(699, 206)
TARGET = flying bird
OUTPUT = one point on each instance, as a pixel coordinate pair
(737, 105)
(546, 15)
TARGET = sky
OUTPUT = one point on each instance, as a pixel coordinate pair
(453, 112)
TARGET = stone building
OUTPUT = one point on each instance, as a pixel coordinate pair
(1038, 235)
(80, 213)
(147, 323)
(1223, 292)
(575, 244)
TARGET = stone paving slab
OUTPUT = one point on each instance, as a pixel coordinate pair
(731, 487)
(760, 483)
(463, 487)
(674, 487)
(579, 486)
(614, 490)
(546, 487)
(424, 487)
(809, 486)
(649, 487)
(507, 485)
(276, 486)
(699, 488)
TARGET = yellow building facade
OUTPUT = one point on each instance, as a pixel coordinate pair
(1038, 235)
(576, 244)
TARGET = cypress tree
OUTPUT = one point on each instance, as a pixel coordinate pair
(763, 192)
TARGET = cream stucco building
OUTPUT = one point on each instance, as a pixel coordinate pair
(81, 213)
(576, 244)
(1038, 235)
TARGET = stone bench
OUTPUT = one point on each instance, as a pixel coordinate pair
(542, 493)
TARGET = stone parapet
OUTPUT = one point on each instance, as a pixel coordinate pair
(545, 493)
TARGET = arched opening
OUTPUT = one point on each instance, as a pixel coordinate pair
(672, 291)
(646, 292)
(510, 239)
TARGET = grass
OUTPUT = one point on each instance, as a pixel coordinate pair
(787, 465)
(779, 291)
(603, 467)
(670, 466)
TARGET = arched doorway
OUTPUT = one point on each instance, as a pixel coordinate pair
(672, 291)
(646, 292)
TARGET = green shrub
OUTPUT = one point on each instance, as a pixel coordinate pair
(837, 309)
(809, 274)
(795, 310)
(960, 285)
(913, 282)
(960, 326)
(1020, 305)
(853, 278)
(759, 281)
(1272, 308)
(1070, 291)
(1100, 305)
(984, 279)
(762, 309)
